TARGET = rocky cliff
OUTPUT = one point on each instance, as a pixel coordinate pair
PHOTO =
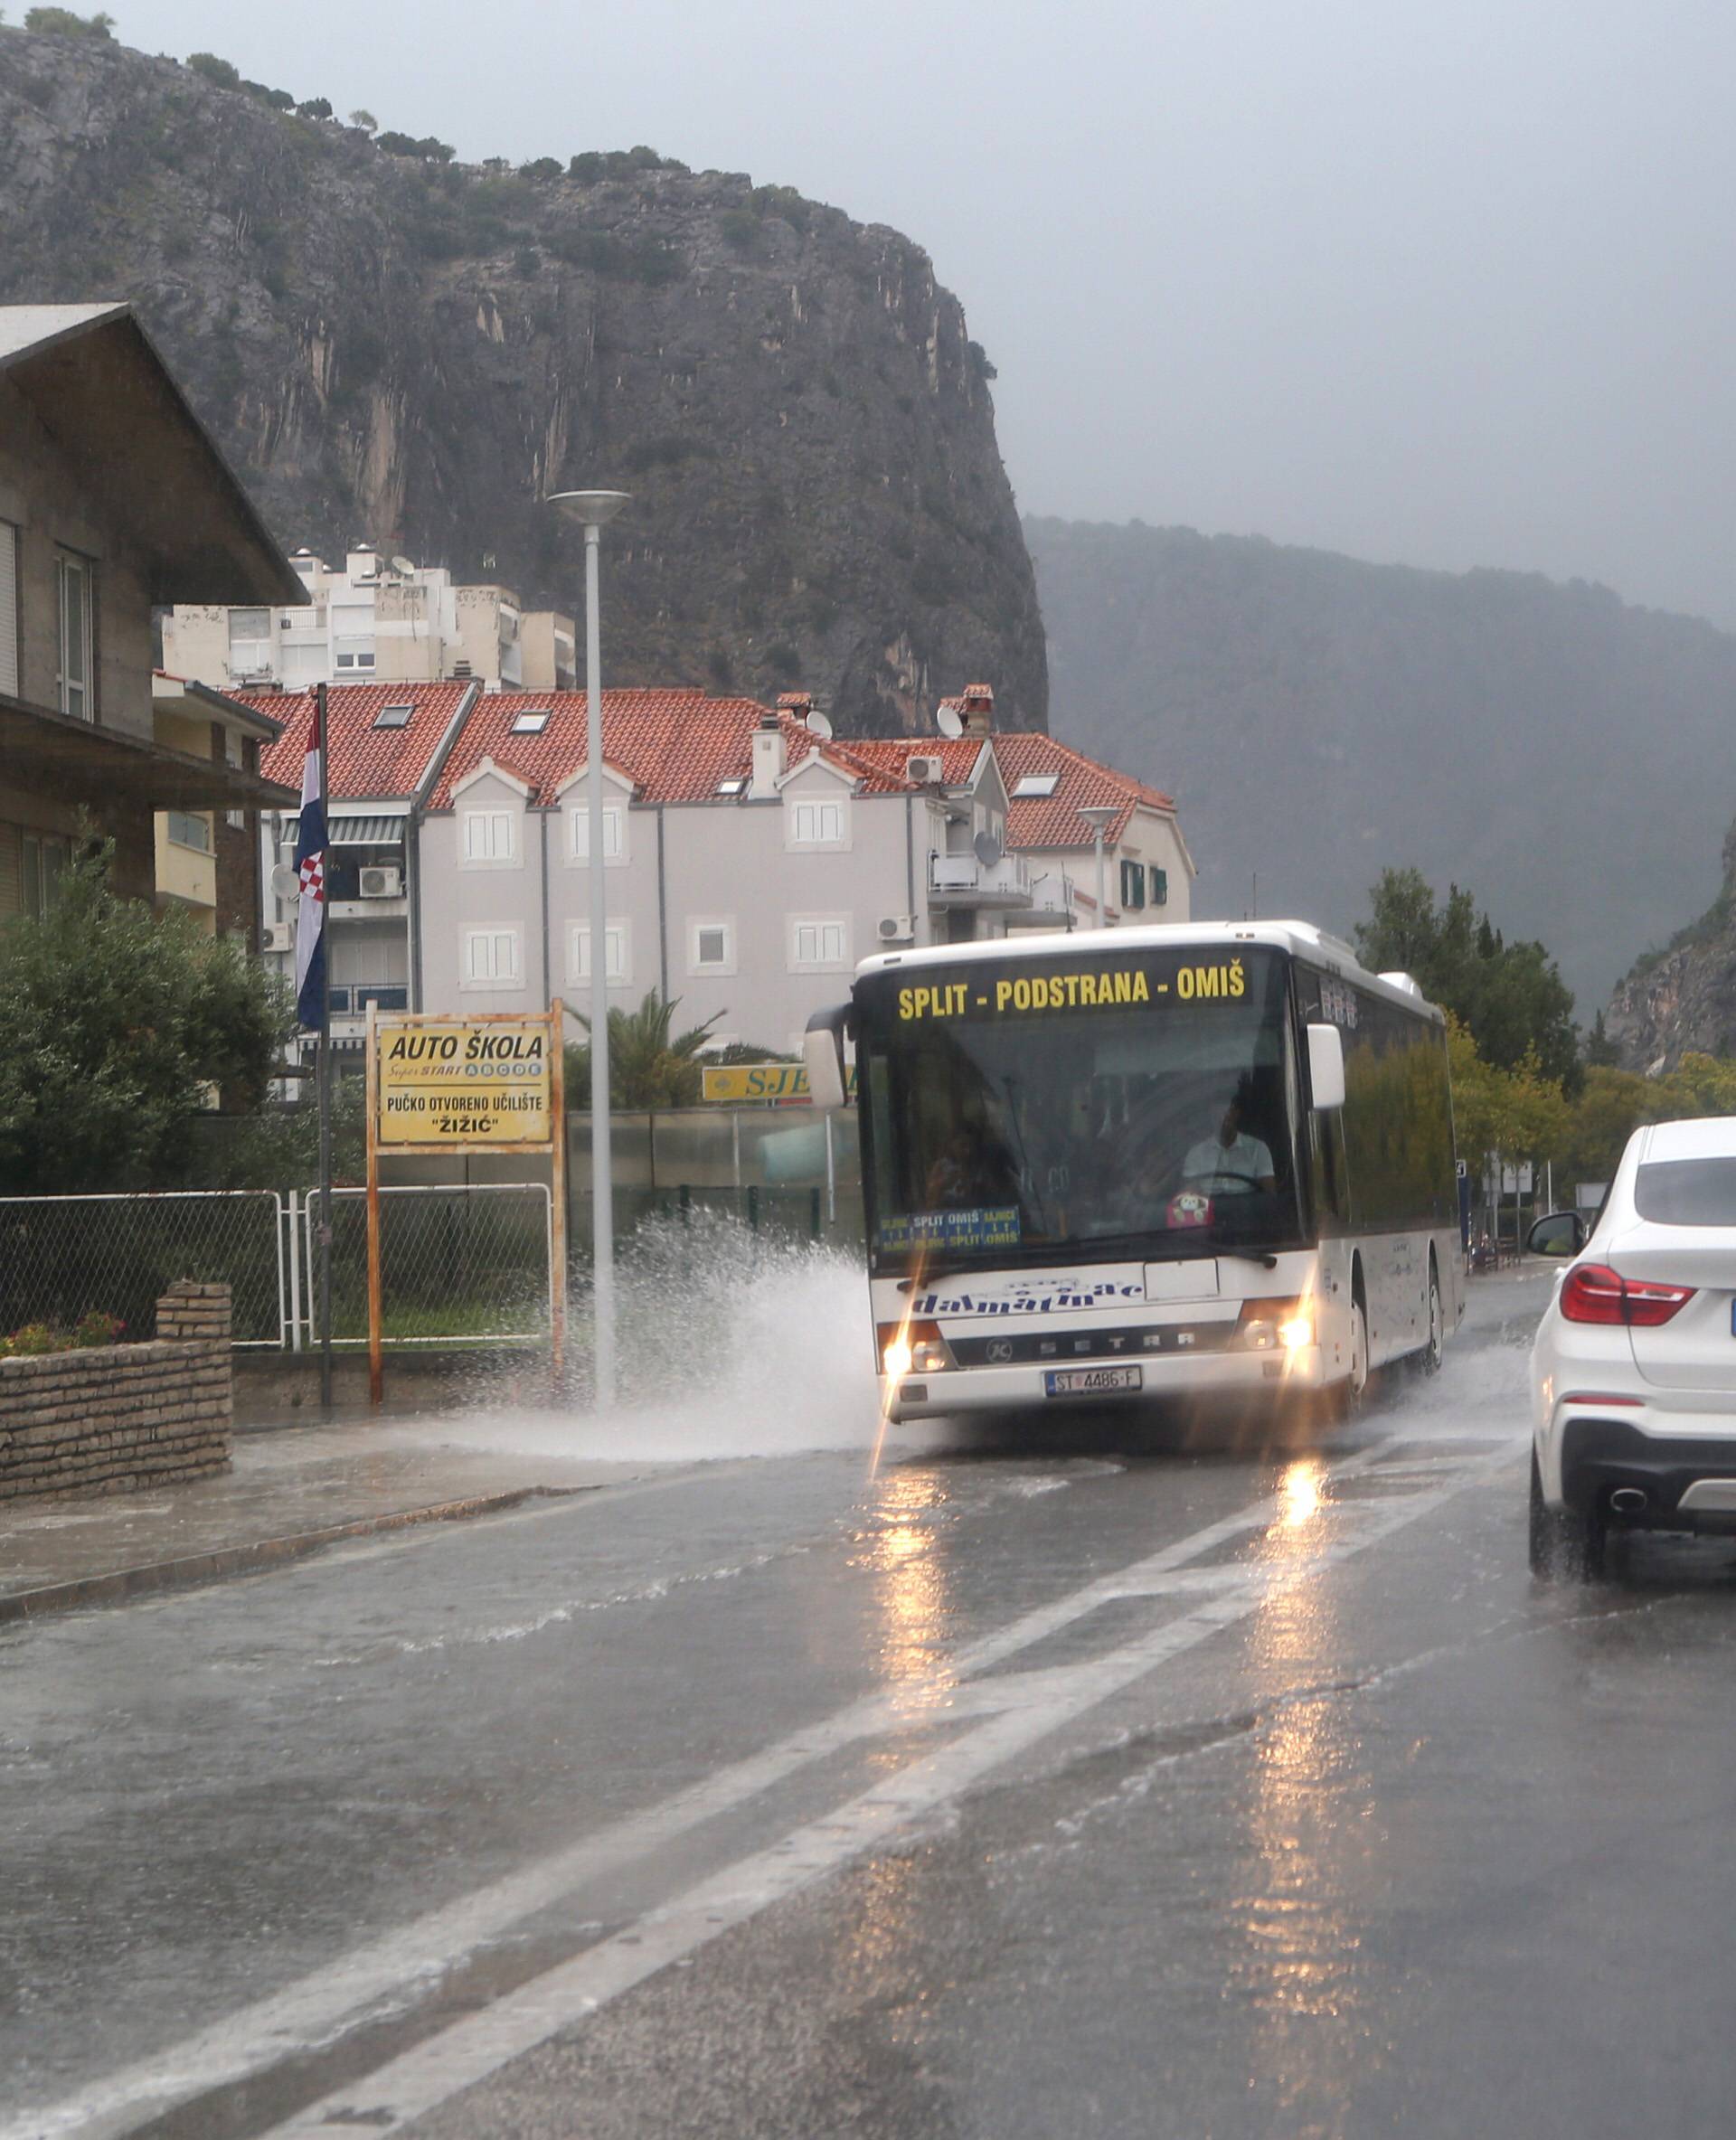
(411, 352)
(1682, 1000)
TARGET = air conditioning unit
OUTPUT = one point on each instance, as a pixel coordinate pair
(925, 771)
(279, 936)
(380, 884)
(896, 929)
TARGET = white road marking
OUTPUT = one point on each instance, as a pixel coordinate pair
(394, 1971)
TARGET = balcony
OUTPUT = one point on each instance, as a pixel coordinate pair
(964, 880)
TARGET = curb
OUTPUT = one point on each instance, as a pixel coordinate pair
(193, 1569)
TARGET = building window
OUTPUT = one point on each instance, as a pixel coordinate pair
(488, 839)
(616, 952)
(74, 576)
(188, 829)
(614, 833)
(532, 721)
(710, 946)
(1035, 785)
(397, 716)
(819, 943)
(817, 824)
(1159, 887)
(490, 959)
(43, 860)
(9, 609)
(1133, 885)
(355, 661)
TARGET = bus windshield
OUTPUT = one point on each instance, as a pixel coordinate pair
(1046, 1109)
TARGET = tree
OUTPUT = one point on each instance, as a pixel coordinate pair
(365, 120)
(1510, 996)
(315, 108)
(1600, 1050)
(542, 167)
(115, 1024)
(646, 1067)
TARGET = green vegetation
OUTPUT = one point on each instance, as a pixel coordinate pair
(62, 22)
(315, 107)
(428, 150)
(648, 1066)
(542, 167)
(115, 1024)
(365, 119)
(218, 72)
(1509, 997)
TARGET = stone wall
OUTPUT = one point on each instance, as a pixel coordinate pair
(117, 1419)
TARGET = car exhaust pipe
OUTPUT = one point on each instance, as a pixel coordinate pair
(1628, 1501)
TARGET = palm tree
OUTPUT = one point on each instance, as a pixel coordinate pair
(647, 1068)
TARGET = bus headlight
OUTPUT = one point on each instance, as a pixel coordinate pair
(1275, 1325)
(911, 1348)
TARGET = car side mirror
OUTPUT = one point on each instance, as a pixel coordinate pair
(1561, 1233)
(1326, 1066)
(823, 1057)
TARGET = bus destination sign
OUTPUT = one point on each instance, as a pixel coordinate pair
(1004, 991)
(447, 1082)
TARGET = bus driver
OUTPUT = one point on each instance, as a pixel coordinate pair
(1229, 1164)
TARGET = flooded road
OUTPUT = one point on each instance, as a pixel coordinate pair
(1096, 1786)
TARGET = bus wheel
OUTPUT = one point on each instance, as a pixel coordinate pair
(1428, 1359)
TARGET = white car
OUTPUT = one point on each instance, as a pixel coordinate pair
(1633, 1372)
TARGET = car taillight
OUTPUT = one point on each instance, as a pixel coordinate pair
(1593, 1293)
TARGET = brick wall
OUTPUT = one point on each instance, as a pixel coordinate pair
(119, 1417)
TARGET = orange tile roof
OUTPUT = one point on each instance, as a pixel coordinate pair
(889, 754)
(674, 745)
(361, 761)
(1053, 821)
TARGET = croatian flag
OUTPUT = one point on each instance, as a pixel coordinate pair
(310, 907)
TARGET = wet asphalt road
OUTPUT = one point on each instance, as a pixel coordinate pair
(1094, 1787)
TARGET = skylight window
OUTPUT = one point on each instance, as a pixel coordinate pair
(532, 721)
(730, 786)
(1034, 785)
(396, 716)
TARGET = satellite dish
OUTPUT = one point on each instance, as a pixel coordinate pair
(404, 565)
(817, 725)
(949, 721)
(285, 882)
(988, 849)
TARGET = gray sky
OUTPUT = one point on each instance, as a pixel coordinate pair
(1443, 284)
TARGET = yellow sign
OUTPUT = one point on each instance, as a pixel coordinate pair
(1096, 988)
(449, 1083)
(740, 1082)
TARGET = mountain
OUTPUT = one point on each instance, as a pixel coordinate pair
(397, 348)
(1682, 999)
(1564, 755)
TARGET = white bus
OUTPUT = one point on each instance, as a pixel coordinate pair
(1146, 1164)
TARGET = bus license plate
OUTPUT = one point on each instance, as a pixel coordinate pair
(1090, 1381)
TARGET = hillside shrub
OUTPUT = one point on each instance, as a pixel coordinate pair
(62, 22)
(540, 167)
(218, 72)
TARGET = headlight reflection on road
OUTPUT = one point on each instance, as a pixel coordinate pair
(1306, 1809)
(904, 1551)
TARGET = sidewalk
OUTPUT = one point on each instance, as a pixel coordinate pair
(292, 1491)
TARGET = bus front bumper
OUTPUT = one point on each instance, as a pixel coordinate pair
(1225, 1376)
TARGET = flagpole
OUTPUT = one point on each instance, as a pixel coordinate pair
(324, 1083)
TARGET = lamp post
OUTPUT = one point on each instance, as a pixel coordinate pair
(1100, 817)
(594, 509)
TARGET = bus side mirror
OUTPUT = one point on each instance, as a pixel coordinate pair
(1326, 1066)
(823, 1057)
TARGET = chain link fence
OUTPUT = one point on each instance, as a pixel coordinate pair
(457, 1264)
(62, 1258)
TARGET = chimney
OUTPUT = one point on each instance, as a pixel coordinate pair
(767, 757)
(978, 710)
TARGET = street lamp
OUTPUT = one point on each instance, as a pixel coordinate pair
(1100, 817)
(594, 509)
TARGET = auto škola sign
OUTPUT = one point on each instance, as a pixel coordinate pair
(457, 1084)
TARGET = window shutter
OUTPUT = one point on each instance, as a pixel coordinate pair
(9, 609)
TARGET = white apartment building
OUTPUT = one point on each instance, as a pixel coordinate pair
(376, 620)
(751, 860)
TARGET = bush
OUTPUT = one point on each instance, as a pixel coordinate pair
(365, 120)
(34, 1340)
(586, 167)
(540, 167)
(96, 1329)
(740, 229)
(315, 108)
(215, 71)
(61, 21)
(527, 263)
